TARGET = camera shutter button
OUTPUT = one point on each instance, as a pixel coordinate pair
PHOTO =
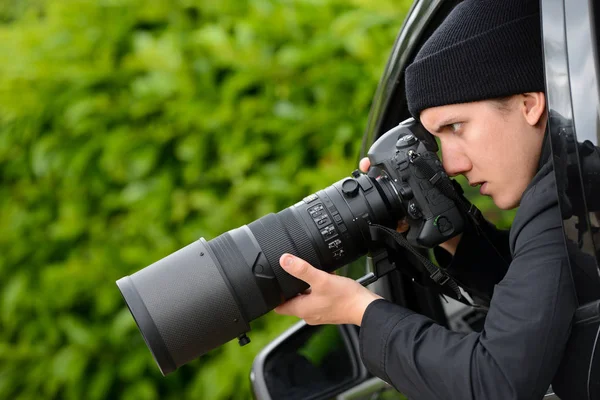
(350, 187)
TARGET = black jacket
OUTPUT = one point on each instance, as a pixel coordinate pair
(519, 350)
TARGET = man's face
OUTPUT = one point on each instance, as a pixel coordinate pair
(495, 148)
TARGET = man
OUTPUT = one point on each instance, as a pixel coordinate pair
(477, 84)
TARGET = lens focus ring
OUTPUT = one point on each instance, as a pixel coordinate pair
(274, 240)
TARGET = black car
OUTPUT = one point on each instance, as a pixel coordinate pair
(313, 362)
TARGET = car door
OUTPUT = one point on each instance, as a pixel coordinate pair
(571, 31)
(570, 37)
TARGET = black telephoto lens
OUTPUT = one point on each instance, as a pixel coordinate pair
(206, 294)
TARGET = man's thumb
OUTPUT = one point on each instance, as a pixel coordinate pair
(299, 268)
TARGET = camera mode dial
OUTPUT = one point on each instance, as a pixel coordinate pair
(406, 141)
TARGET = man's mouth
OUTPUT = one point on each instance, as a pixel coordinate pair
(482, 188)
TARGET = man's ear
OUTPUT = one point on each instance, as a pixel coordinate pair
(533, 106)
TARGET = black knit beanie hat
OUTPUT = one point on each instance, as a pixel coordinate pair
(484, 49)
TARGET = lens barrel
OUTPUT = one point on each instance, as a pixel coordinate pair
(205, 294)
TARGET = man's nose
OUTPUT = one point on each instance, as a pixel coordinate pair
(455, 162)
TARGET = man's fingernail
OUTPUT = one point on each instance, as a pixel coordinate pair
(289, 260)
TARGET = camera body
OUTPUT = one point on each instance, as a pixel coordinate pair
(433, 217)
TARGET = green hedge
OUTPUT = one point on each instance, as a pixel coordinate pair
(130, 128)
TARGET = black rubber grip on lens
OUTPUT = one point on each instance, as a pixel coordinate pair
(299, 237)
(274, 239)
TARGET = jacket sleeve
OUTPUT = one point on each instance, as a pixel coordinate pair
(525, 332)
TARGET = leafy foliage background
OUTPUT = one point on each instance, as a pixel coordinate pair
(130, 128)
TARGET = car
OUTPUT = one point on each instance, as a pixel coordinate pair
(322, 362)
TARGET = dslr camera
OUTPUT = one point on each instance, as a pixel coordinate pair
(208, 292)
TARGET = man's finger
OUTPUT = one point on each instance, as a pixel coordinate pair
(290, 307)
(364, 164)
(403, 225)
(300, 269)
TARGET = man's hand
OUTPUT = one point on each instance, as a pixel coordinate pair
(331, 299)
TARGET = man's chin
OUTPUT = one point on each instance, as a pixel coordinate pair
(504, 203)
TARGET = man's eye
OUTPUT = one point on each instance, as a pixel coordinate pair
(455, 126)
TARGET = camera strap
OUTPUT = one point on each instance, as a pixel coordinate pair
(392, 238)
